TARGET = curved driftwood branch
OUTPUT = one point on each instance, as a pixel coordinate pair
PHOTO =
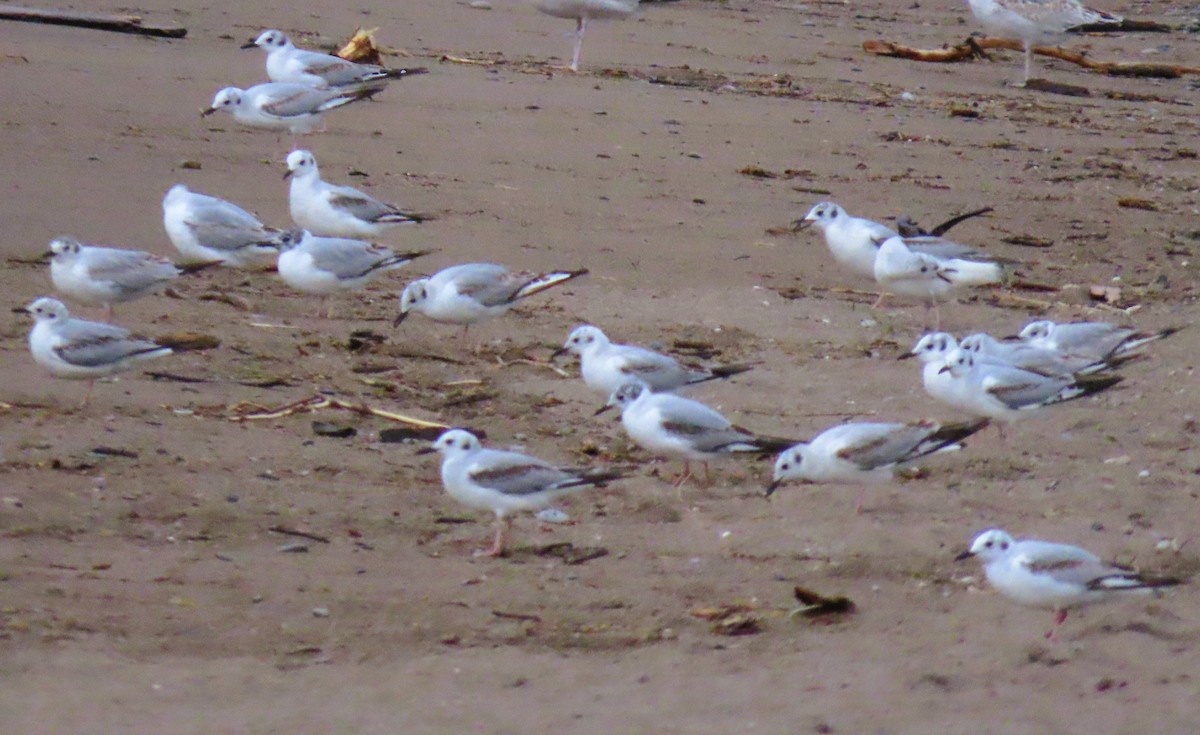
(977, 47)
(98, 21)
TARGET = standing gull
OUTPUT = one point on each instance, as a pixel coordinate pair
(581, 11)
(506, 482)
(1035, 21)
(286, 63)
(867, 453)
(908, 272)
(1052, 575)
(668, 425)
(205, 228)
(472, 292)
(607, 366)
(99, 276)
(337, 211)
(81, 350)
(327, 265)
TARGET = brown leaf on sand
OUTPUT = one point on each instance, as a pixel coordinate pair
(816, 605)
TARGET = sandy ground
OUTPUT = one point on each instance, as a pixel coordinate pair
(147, 593)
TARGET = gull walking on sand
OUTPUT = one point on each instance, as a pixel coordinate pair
(581, 11)
(506, 482)
(606, 365)
(668, 425)
(1055, 576)
(867, 453)
(81, 350)
(337, 211)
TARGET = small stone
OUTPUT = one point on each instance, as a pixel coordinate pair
(189, 165)
(293, 548)
(320, 612)
(481, 4)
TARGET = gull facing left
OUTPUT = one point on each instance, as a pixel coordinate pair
(327, 265)
(99, 276)
(297, 108)
(337, 211)
(1055, 576)
(287, 63)
(867, 453)
(506, 482)
(668, 425)
(606, 365)
(81, 350)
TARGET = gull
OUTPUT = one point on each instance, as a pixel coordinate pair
(1035, 21)
(1095, 341)
(1037, 359)
(607, 366)
(99, 276)
(286, 63)
(867, 453)
(337, 211)
(506, 482)
(932, 350)
(81, 350)
(1055, 576)
(581, 11)
(205, 228)
(472, 292)
(326, 265)
(907, 272)
(1007, 393)
(666, 425)
(285, 105)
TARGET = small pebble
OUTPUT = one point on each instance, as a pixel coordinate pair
(553, 515)
(320, 612)
(481, 5)
(293, 548)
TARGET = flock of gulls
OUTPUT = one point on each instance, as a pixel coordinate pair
(992, 380)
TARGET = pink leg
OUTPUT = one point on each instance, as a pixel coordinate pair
(580, 27)
(687, 474)
(879, 301)
(707, 475)
(502, 526)
(859, 499)
(1059, 617)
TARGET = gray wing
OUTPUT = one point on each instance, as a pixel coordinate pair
(91, 344)
(511, 473)
(660, 372)
(346, 258)
(1062, 562)
(1018, 388)
(870, 446)
(490, 285)
(221, 225)
(297, 100)
(337, 71)
(944, 249)
(360, 205)
(700, 426)
(130, 271)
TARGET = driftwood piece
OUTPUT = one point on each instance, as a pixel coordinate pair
(974, 47)
(248, 412)
(98, 21)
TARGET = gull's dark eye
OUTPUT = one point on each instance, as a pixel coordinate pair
(988, 544)
(785, 466)
(1004, 546)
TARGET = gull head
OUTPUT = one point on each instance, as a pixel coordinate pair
(1037, 330)
(65, 248)
(269, 41)
(976, 342)
(227, 98)
(581, 339)
(301, 164)
(625, 395)
(822, 215)
(456, 442)
(290, 239)
(989, 545)
(958, 363)
(414, 296)
(47, 309)
(787, 467)
(932, 347)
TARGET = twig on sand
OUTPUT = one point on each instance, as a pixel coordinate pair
(97, 21)
(302, 534)
(252, 412)
(975, 47)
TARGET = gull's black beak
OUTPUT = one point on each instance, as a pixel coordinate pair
(399, 318)
(772, 488)
(602, 409)
(801, 224)
(20, 310)
(425, 450)
(249, 44)
(945, 369)
(287, 174)
(965, 555)
(559, 351)
(907, 356)
(207, 111)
